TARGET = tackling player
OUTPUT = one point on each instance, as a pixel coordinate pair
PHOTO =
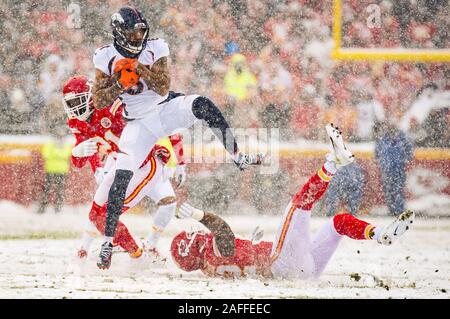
(135, 69)
(293, 254)
(97, 133)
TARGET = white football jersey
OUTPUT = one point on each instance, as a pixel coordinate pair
(140, 100)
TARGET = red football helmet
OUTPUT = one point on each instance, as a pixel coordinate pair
(187, 250)
(77, 98)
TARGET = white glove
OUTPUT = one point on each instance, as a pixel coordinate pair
(187, 211)
(180, 175)
(99, 175)
(85, 149)
(257, 234)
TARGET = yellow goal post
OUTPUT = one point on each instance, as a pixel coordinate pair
(388, 54)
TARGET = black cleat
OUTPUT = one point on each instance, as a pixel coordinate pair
(104, 259)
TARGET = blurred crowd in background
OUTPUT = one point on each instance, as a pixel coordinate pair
(266, 63)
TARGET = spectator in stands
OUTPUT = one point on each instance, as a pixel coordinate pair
(52, 117)
(284, 32)
(346, 188)
(428, 98)
(393, 152)
(52, 76)
(435, 127)
(240, 83)
(369, 111)
(56, 155)
(19, 113)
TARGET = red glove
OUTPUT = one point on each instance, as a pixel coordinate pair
(125, 63)
(128, 79)
(126, 68)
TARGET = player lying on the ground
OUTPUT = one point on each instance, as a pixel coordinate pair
(136, 69)
(97, 135)
(293, 254)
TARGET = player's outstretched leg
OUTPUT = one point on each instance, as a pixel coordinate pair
(162, 218)
(204, 109)
(116, 198)
(122, 237)
(327, 239)
(291, 249)
(339, 156)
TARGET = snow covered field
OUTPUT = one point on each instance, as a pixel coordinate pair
(37, 261)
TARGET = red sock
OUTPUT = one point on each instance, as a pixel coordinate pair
(123, 237)
(313, 190)
(350, 226)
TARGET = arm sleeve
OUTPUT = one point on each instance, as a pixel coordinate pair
(177, 143)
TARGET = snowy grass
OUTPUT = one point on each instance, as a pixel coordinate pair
(37, 260)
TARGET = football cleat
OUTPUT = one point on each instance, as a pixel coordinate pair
(243, 161)
(391, 232)
(340, 154)
(104, 259)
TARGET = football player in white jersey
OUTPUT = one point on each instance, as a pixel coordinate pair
(135, 69)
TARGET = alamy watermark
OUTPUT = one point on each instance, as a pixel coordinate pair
(73, 16)
(204, 146)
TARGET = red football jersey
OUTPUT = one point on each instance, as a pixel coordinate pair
(106, 124)
(250, 259)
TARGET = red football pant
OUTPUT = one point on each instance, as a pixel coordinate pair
(123, 237)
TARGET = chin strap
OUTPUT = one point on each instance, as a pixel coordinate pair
(126, 53)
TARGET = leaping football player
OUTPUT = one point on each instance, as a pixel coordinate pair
(293, 254)
(135, 69)
(97, 134)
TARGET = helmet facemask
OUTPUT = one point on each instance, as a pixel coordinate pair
(133, 40)
(79, 105)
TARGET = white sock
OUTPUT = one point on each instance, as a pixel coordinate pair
(330, 166)
(377, 232)
(89, 233)
(162, 218)
(108, 239)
